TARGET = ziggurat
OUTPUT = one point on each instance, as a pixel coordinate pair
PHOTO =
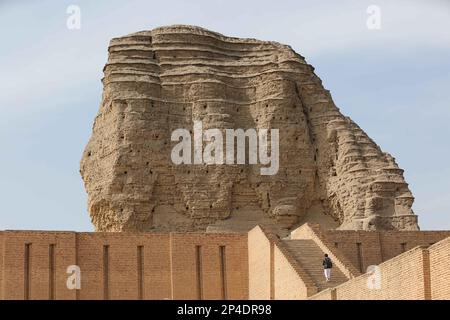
(166, 231)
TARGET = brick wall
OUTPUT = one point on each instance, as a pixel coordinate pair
(209, 266)
(401, 278)
(288, 285)
(273, 271)
(259, 259)
(405, 277)
(1, 264)
(124, 266)
(327, 294)
(365, 248)
(439, 269)
(33, 265)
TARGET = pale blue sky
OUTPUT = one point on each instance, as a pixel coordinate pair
(394, 82)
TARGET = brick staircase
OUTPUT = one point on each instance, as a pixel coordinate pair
(310, 257)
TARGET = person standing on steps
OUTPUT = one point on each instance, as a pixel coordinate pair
(327, 265)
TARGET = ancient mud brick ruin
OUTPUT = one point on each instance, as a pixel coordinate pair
(157, 81)
(273, 229)
(200, 265)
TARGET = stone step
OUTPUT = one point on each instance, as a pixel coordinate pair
(310, 257)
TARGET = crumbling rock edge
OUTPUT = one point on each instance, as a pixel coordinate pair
(156, 81)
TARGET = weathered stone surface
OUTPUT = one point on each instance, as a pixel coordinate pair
(157, 81)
